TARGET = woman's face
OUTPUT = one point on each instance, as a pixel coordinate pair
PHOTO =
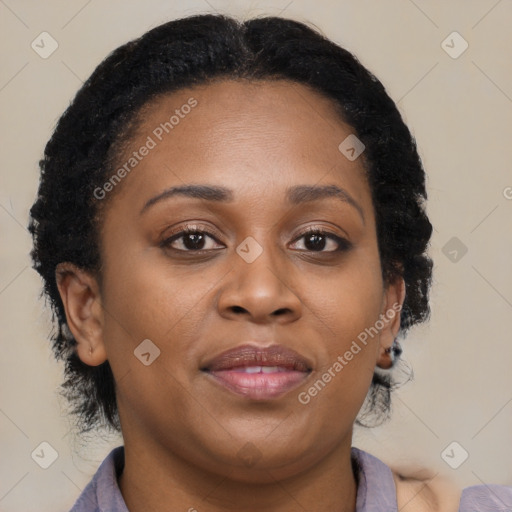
(252, 278)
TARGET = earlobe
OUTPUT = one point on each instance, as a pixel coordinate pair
(80, 295)
(389, 348)
(388, 356)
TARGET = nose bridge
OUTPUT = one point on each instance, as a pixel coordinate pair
(258, 284)
(260, 264)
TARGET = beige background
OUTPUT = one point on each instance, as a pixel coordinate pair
(460, 111)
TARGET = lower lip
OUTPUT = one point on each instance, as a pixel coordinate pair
(259, 386)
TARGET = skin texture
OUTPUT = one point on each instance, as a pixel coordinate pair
(184, 434)
(421, 490)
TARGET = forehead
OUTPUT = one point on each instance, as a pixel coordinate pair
(239, 133)
(273, 108)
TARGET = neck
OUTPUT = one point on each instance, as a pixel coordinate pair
(154, 479)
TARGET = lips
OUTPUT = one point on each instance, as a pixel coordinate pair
(258, 373)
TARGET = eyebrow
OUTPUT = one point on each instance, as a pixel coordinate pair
(303, 193)
(296, 195)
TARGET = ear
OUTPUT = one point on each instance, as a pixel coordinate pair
(394, 296)
(79, 292)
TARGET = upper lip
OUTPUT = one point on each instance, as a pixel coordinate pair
(252, 355)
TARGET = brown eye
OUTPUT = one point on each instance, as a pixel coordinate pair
(316, 240)
(190, 240)
(193, 241)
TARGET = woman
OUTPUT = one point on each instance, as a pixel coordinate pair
(230, 228)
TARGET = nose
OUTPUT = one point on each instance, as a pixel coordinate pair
(260, 291)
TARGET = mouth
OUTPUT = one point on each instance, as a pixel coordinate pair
(258, 373)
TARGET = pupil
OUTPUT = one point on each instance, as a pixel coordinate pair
(318, 242)
(194, 241)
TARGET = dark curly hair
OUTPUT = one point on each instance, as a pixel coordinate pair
(65, 219)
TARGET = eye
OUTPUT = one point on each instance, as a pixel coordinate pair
(191, 239)
(194, 238)
(318, 240)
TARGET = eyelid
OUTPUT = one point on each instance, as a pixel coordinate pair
(317, 229)
(191, 226)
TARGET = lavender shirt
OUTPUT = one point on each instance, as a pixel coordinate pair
(486, 498)
(376, 491)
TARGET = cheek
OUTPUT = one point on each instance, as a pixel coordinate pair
(143, 300)
(349, 309)
(349, 300)
(164, 306)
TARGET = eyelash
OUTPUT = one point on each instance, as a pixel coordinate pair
(343, 244)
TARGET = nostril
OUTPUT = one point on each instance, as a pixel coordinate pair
(281, 311)
(238, 309)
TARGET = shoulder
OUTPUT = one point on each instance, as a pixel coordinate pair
(486, 498)
(102, 492)
(425, 491)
